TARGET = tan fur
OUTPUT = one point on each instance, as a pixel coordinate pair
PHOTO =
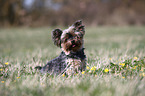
(75, 65)
(71, 41)
(66, 44)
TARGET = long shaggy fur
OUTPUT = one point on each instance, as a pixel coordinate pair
(72, 58)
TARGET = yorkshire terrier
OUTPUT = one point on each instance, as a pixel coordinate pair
(72, 59)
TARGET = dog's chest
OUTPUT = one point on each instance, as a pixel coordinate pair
(74, 65)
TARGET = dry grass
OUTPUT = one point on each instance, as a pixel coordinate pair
(24, 48)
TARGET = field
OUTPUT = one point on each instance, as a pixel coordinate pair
(115, 57)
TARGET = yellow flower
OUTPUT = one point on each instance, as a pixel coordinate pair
(142, 69)
(75, 74)
(1, 69)
(142, 74)
(123, 77)
(95, 68)
(92, 68)
(106, 70)
(63, 75)
(88, 67)
(42, 84)
(135, 58)
(83, 72)
(122, 64)
(2, 81)
(18, 77)
(7, 63)
(95, 75)
(134, 67)
(110, 58)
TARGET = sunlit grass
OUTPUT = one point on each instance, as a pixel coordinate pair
(115, 63)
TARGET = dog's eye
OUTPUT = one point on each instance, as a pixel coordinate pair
(64, 40)
(69, 35)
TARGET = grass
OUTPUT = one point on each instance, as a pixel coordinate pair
(115, 57)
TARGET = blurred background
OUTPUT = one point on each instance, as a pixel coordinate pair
(36, 13)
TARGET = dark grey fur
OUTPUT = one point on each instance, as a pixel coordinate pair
(58, 65)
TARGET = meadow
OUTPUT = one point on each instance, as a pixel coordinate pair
(115, 63)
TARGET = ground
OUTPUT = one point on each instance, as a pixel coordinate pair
(115, 63)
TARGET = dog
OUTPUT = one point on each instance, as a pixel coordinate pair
(72, 59)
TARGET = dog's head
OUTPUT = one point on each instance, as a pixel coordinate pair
(70, 39)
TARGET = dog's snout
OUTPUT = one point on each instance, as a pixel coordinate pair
(73, 41)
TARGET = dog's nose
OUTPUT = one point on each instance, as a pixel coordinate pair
(73, 41)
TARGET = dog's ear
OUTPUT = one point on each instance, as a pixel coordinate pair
(77, 23)
(56, 37)
(79, 27)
